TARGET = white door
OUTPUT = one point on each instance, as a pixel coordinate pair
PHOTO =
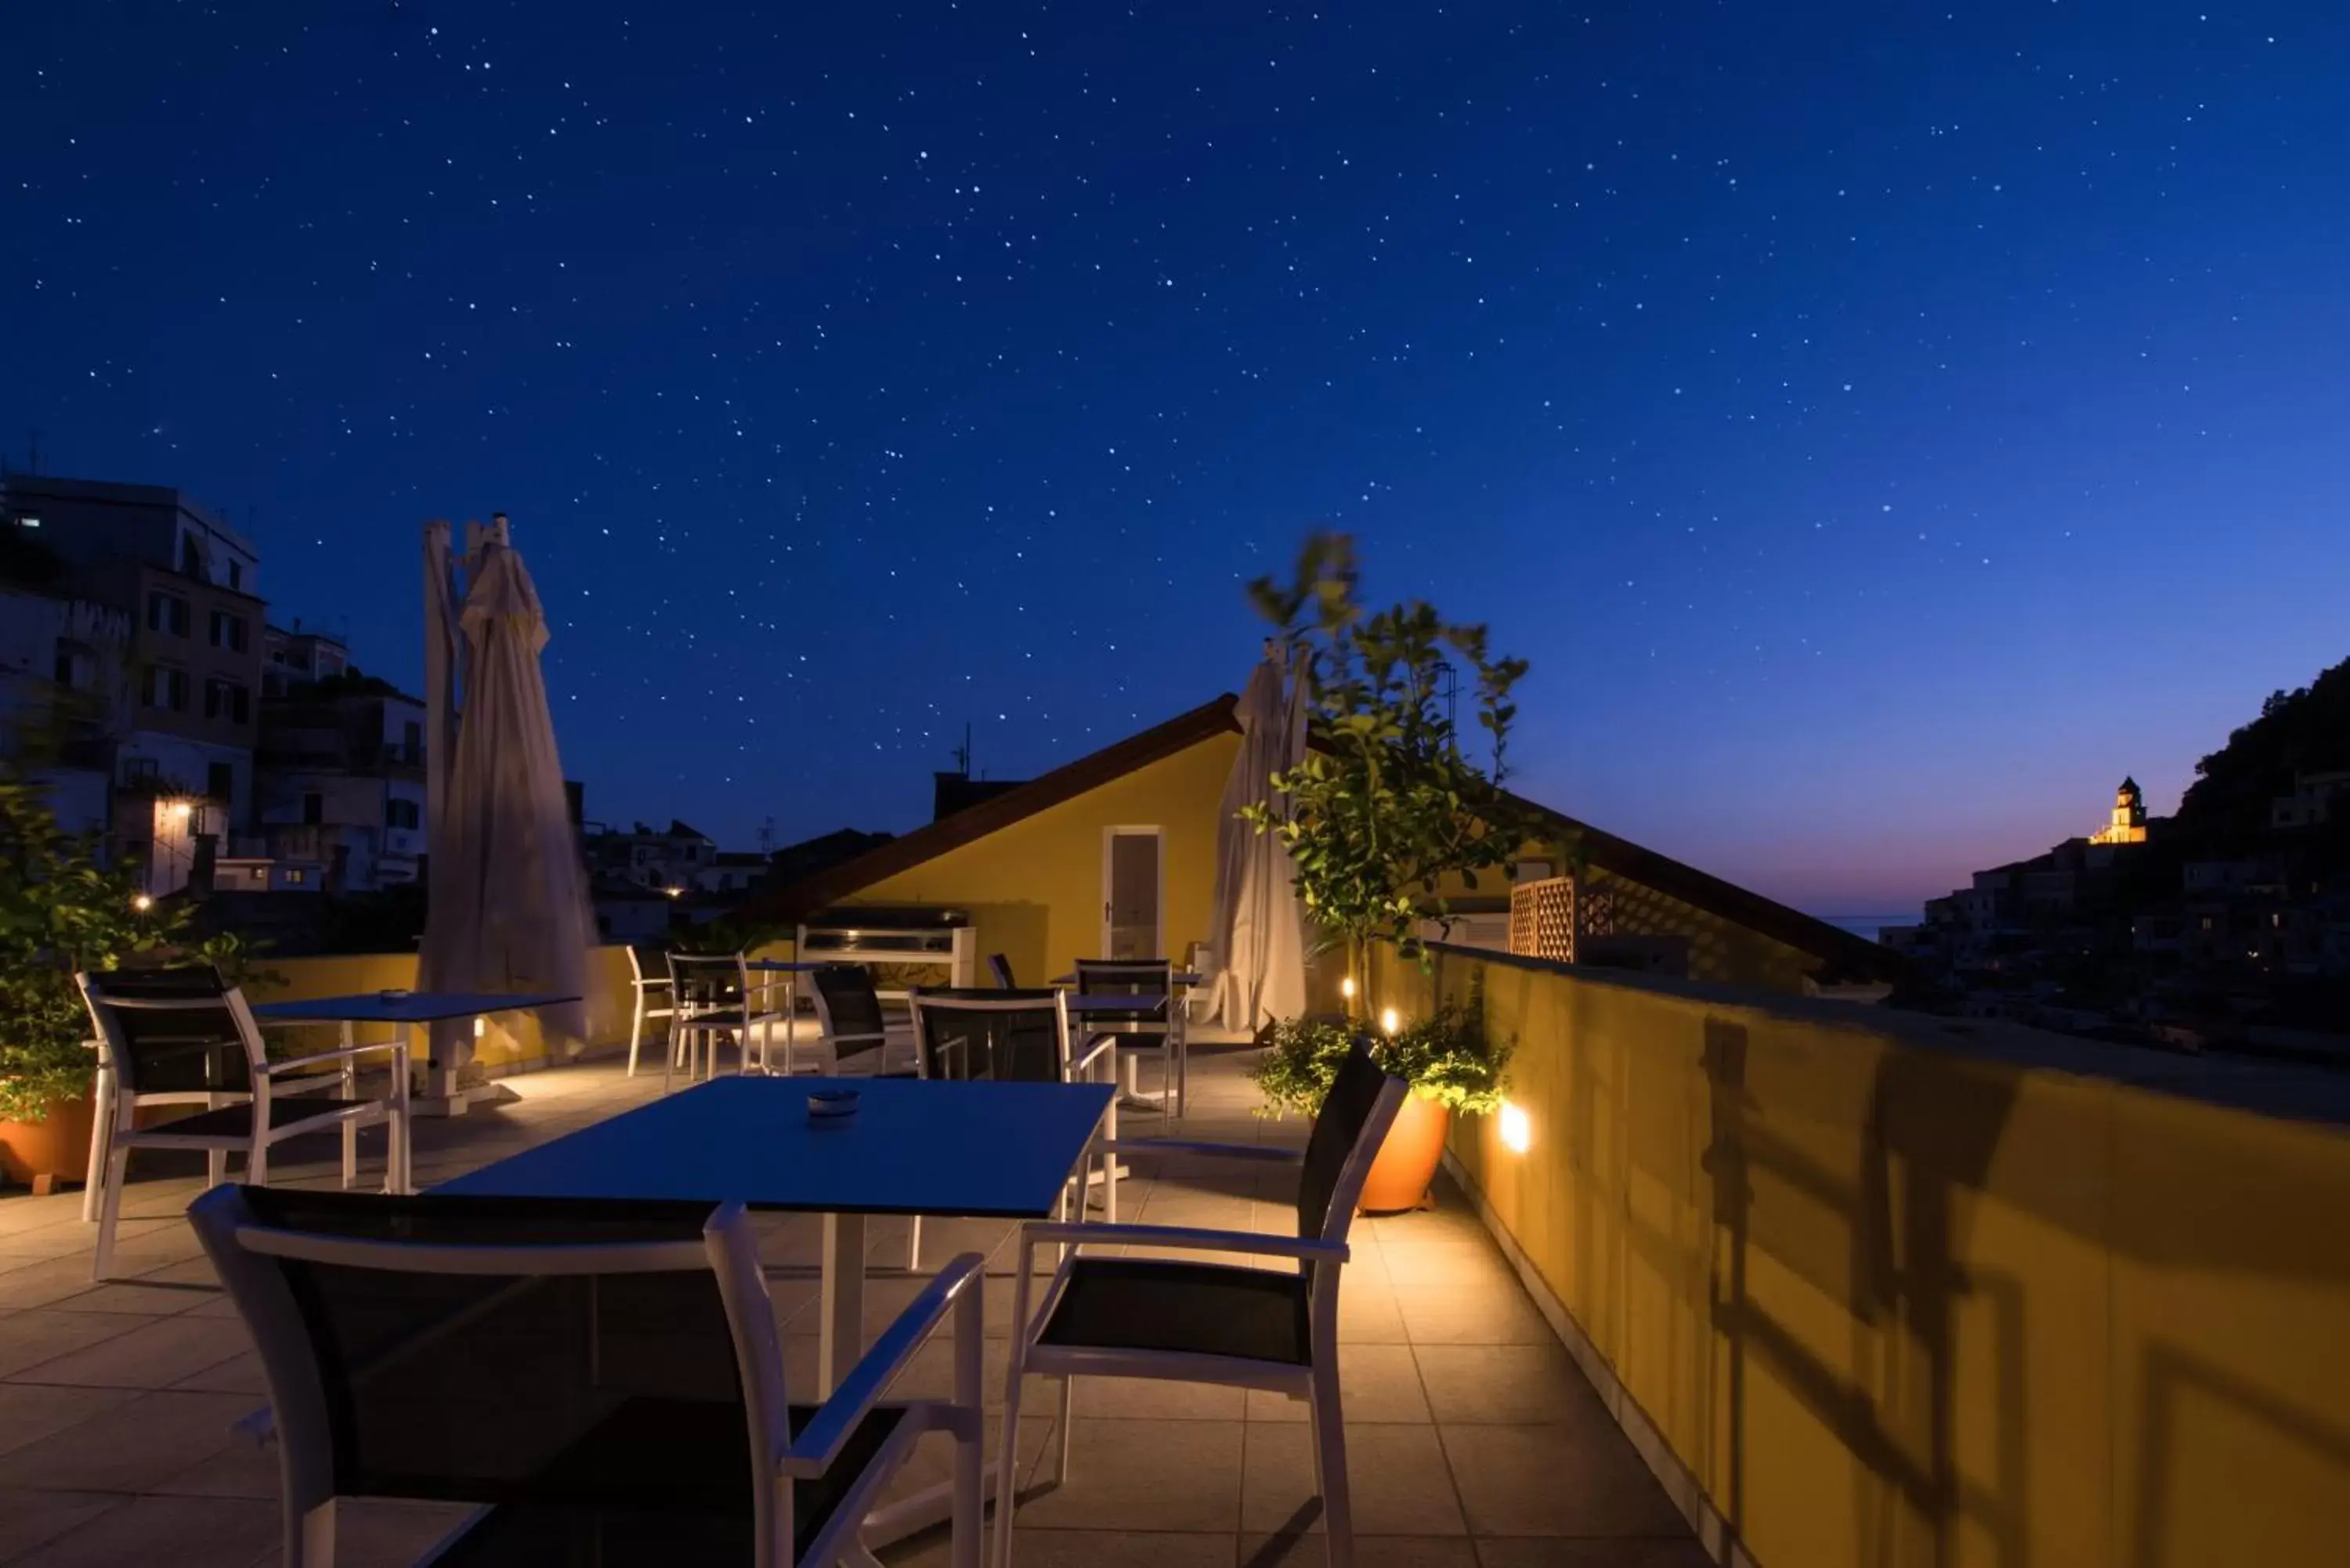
(1132, 893)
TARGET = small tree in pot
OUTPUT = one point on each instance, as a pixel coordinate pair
(1386, 803)
(1387, 806)
(61, 910)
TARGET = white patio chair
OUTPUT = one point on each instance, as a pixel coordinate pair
(184, 1037)
(1194, 1321)
(850, 1023)
(605, 1382)
(1007, 1036)
(710, 994)
(1155, 1028)
(654, 998)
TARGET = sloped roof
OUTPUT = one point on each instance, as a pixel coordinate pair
(1844, 954)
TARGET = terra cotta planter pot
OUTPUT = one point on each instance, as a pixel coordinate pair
(1406, 1163)
(55, 1150)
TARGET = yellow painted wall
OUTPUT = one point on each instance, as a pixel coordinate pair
(1896, 1305)
(1034, 888)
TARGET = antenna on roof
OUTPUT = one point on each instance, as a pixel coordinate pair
(767, 837)
(963, 753)
(32, 451)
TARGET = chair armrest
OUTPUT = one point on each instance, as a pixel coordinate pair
(1305, 1247)
(287, 1064)
(820, 1441)
(1264, 1154)
(1102, 1045)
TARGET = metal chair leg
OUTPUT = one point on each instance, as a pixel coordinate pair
(1330, 1468)
(110, 1210)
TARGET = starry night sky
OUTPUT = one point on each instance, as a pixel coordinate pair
(1881, 426)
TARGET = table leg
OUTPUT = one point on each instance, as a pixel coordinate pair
(841, 1309)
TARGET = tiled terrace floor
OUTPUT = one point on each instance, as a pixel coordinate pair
(1473, 1442)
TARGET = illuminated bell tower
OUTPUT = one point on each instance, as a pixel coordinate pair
(2128, 825)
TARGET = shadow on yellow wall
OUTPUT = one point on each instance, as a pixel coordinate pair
(1889, 1302)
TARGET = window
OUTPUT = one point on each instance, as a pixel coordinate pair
(297, 876)
(220, 781)
(236, 579)
(140, 770)
(411, 742)
(261, 873)
(191, 557)
(398, 813)
(228, 632)
(313, 809)
(227, 700)
(167, 612)
(166, 688)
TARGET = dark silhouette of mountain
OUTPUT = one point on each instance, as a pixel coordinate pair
(2226, 809)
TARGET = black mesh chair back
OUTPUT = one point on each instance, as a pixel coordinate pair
(851, 1005)
(704, 983)
(1151, 980)
(1335, 1143)
(1008, 1036)
(497, 1385)
(158, 1044)
(1001, 968)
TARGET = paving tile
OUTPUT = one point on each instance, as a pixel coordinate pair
(1370, 1552)
(1467, 1264)
(242, 1469)
(184, 1531)
(1146, 1475)
(143, 1296)
(1637, 1551)
(156, 1354)
(240, 1374)
(1400, 1484)
(1152, 1398)
(1368, 1311)
(1490, 1314)
(30, 1412)
(1085, 1549)
(29, 1338)
(1520, 1385)
(27, 1519)
(1556, 1481)
(131, 1447)
(1376, 1383)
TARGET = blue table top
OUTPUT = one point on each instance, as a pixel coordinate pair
(914, 1146)
(406, 1007)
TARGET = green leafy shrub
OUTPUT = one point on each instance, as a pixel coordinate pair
(1447, 1057)
(61, 910)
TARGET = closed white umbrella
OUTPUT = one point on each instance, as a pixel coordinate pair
(1259, 935)
(507, 905)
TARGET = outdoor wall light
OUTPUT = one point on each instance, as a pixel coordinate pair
(1347, 988)
(181, 811)
(1389, 1021)
(481, 1027)
(141, 902)
(1517, 1132)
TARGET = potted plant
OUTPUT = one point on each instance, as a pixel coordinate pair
(1387, 803)
(1447, 1058)
(62, 911)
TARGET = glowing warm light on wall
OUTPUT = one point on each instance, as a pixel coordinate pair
(481, 1027)
(181, 811)
(1389, 1022)
(1347, 988)
(141, 902)
(1517, 1132)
